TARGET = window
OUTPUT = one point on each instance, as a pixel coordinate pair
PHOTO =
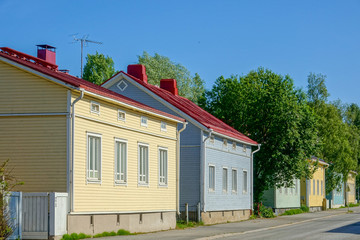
(244, 148)
(234, 145)
(163, 166)
(163, 126)
(212, 139)
(234, 180)
(286, 190)
(322, 188)
(95, 107)
(318, 188)
(94, 157)
(225, 179)
(245, 185)
(120, 161)
(121, 115)
(296, 187)
(225, 142)
(314, 187)
(122, 85)
(144, 121)
(143, 164)
(211, 178)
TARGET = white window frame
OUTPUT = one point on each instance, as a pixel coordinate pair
(88, 178)
(119, 118)
(244, 148)
(209, 187)
(225, 143)
(225, 190)
(234, 145)
(314, 187)
(119, 181)
(212, 139)
(163, 126)
(245, 180)
(91, 107)
(141, 121)
(166, 168)
(146, 175)
(234, 189)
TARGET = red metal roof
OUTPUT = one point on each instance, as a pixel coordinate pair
(194, 111)
(37, 65)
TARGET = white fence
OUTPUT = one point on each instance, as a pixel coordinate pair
(38, 215)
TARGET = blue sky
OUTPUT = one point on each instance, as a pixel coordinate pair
(212, 38)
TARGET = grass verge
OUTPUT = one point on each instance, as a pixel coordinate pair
(183, 225)
(75, 236)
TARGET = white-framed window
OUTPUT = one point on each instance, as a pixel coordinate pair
(314, 187)
(244, 148)
(234, 145)
(211, 178)
(121, 115)
(120, 161)
(144, 121)
(143, 163)
(212, 139)
(225, 142)
(234, 180)
(93, 157)
(225, 179)
(122, 85)
(296, 187)
(245, 181)
(163, 166)
(318, 188)
(322, 188)
(95, 107)
(163, 126)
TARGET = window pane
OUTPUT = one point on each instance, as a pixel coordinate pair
(234, 180)
(211, 178)
(245, 182)
(313, 187)
(224, 179)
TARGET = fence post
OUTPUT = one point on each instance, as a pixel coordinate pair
(187, 212)
(199, 212)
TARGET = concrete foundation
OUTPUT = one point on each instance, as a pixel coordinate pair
(315, 209)
(279, 211)
(224, 216)
(132, 222)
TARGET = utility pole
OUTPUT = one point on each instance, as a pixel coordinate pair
(83, 42)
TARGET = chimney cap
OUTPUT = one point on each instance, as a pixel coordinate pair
(46, 46)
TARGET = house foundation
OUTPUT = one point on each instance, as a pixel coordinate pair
(214, 217)
(132, 222)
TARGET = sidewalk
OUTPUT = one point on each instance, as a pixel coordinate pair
(215, 231)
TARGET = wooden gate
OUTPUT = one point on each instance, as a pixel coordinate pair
(35, 217)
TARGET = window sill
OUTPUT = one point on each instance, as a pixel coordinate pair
(124, 184)
(143, 185)
(93, 181)
(163, 186)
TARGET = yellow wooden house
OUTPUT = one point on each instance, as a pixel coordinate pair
(350, 196)
(116, 158)
(313, 190)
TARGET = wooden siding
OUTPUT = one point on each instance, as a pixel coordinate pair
(24, 92)
(36, 147)
(191, 135)
(220, 156)
(107, 196)
(283, 197)
(352, 193)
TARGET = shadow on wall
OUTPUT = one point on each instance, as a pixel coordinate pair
(351, 228)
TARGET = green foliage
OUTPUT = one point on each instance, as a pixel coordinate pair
(264, 212)
(7, 183)
(354, 204)
(304, 208)
(123, 232)
(160, 67)
(83, 236)
(266, 107)
(338, 136)
(74, 236)
(292, 212)
(182, 224)
(98, 68)
(252, 217)
(66, 237)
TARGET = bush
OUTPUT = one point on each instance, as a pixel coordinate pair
(74, 236)
(66, 237)
(83, 236)
(304, 208)
(292, 212)
(261, 211)
(123, 232)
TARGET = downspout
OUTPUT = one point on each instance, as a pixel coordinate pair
(72, 147)
(178, 168)
(203, 158)
(252, 176)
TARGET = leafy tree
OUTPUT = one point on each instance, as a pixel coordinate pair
(160, 67)
(98, 68)
(339, 140)
(266, 107)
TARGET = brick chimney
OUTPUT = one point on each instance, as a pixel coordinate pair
(138, 71)
(169, 85)
(47, 53)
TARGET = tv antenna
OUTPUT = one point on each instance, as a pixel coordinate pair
(84, 42)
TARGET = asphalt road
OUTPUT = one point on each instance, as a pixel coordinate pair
(332, 224)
